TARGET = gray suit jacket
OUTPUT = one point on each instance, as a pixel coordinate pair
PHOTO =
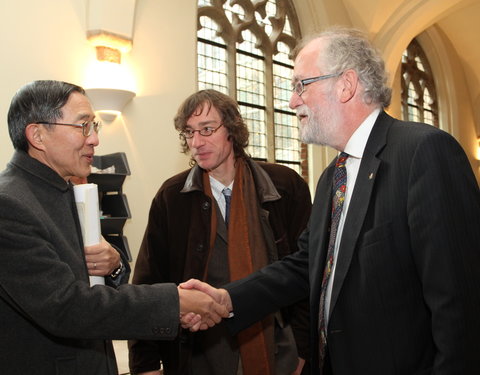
(406, 294)
(51, 320)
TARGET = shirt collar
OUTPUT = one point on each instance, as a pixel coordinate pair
(357, 142)
(217, 187)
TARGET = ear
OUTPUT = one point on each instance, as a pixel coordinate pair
(34, 132)
(349, 85)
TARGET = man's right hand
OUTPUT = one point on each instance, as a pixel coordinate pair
(206, 311)
(220, 296)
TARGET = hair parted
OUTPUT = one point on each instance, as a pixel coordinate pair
(37, 101)
(227, 108)
(350, 49)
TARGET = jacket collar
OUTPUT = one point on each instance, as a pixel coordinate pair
(267, 192)
(32, 166)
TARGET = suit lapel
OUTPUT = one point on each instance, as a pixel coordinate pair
(360, 201)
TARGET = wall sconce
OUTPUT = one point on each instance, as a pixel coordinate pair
(109, 103)
(109, 83)
(107, 90)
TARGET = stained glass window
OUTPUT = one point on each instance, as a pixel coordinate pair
(244, 50)
(419, 99)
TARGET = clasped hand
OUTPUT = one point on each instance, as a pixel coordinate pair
(102, 259)
(201, 305)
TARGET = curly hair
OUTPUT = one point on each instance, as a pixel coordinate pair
(227, 108)
(351, 49)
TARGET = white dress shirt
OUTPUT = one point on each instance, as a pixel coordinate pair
(217, 188)
(354, 148)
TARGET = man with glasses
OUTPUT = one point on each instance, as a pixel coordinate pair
(219, 221)
(52, 321)
(391, 256)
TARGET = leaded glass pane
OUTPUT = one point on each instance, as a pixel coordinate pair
(271, 10)
(287, 29)
(418, 89)
(211, 58)
(287, 144)
(209, 30)
(428, 117)
(413, 114)
(412, 94)
(250, 73)
(255, 120)
(231, 10)
(282, 55)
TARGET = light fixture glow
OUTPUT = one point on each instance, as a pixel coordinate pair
(109, 103)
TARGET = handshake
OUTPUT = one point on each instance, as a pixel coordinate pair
(202, 306)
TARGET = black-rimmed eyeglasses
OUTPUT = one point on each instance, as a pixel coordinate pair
(299, 86)
(207, 131)
(87, 127)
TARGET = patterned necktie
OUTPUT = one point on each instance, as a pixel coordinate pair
(339, 187)
(227, 193)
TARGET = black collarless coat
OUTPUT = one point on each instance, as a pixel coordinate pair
(51, 321)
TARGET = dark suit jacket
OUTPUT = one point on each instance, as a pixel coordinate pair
(51, 320)
(406, 294)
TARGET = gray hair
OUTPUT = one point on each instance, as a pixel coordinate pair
(34, 102)
(351, 49)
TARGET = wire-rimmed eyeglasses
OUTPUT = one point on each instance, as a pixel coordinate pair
(207, 131)
(299, 86)
(87, 127)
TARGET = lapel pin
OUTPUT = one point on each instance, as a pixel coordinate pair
(370, 176)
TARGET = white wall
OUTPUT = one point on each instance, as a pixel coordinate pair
(47, 40)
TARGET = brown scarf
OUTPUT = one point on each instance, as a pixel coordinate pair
(247, 252)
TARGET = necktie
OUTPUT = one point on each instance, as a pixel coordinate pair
(338, 188)
(227, 193)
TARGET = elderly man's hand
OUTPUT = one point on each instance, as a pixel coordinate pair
(102, 259)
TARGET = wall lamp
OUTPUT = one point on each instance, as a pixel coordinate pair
(109, 103)
(109, 82)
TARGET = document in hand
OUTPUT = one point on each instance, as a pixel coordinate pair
(86, 198)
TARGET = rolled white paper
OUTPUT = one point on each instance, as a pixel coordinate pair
(86, 198)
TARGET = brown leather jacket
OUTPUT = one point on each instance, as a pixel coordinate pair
(176, 241)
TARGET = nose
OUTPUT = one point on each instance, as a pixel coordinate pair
(93, 139)
(197, 140)
(295, 100)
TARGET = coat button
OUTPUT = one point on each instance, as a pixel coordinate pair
(200, 248)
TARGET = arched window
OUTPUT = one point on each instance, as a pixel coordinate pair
(419, 97)
(244, 50)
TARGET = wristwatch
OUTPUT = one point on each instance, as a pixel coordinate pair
(117, 271)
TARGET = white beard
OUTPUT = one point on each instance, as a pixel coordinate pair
(321, 126)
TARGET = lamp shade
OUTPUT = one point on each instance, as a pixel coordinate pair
(109, 102)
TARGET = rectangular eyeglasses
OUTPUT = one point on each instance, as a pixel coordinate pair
(87, 127)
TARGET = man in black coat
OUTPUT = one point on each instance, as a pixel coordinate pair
(52, 321)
